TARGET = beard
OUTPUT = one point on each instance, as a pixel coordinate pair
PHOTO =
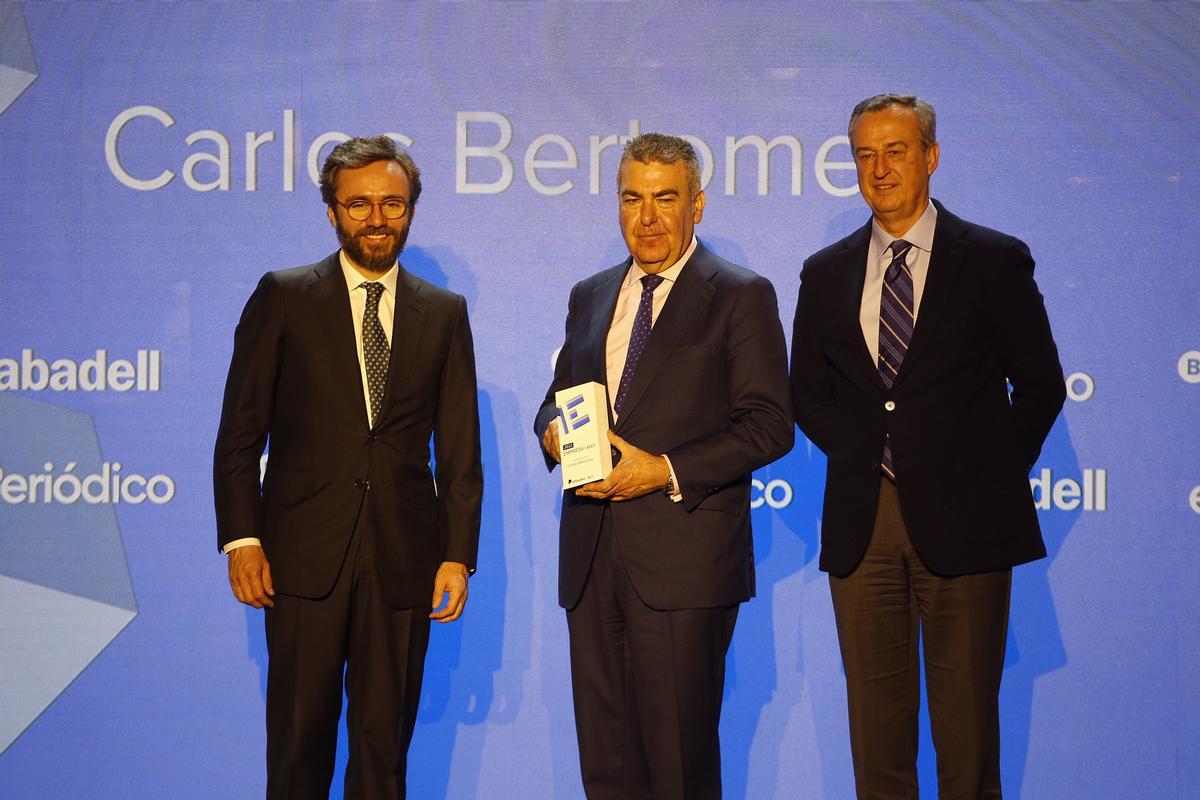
(373, 257)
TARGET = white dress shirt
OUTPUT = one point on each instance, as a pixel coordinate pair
(920, 235)
(355, 284)
(616, 347)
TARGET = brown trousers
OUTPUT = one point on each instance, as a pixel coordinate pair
(882, 608)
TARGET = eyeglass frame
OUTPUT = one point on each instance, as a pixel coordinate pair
(371, 208)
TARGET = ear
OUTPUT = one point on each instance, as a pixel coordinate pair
(332, 216)
(698, 208)
(931, 157)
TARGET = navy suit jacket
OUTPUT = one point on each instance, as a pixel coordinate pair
(962, 447)
(711, 392)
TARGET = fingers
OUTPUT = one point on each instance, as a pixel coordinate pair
(550, 439)
(250, 577)
(599, 490)
(267, 582)
(449, 585)
(455, 588)
(439, 593)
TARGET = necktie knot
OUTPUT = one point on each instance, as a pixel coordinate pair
(651, 282)
(374, 292)
(899, 249)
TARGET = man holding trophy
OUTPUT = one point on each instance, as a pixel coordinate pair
(677, 358)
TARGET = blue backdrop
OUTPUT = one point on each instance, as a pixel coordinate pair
(155, 160)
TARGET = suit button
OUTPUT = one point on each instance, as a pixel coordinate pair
(371, 436)
(890, 405)
(360, 483)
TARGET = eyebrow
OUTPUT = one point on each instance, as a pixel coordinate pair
(384, 199)
(885, 145)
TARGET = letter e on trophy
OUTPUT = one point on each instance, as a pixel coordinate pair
(583, 447)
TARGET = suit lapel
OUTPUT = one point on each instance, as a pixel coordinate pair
(944, 264)
(854, 273)
(603, 305)
(408, 323)
(328, 288)
(690, 295)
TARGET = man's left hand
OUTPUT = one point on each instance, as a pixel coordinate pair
(637, 474)
(449, 587)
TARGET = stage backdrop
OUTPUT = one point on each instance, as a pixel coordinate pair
(156, 159)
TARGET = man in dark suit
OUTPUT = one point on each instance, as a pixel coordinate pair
(349, 366)
(654, 559)
(908, 333)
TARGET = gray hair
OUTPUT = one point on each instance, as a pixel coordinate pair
(361, 151)
(926, 118)
(663, 148)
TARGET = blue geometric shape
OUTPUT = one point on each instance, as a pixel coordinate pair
(18, 68)
(65, 590)
(47, 638)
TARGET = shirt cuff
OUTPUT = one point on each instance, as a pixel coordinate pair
(236, 543)
(677, 496)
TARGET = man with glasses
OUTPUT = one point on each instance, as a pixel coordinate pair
(349, 367)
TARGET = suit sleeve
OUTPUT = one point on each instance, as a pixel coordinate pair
(561, 380)
(760, 407)
(1028, 354)
(812, 385)
(246, 412)
(456, 447)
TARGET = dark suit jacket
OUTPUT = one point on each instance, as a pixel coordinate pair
(711, 392)
(295, 378)
(962, 449)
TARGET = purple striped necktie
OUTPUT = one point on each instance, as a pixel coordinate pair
(896, 316)
(642, 323)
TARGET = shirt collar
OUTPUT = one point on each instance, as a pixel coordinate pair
(920, 234)
(354, 278)
(636, 273)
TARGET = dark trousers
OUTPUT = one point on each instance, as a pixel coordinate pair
(881, 608)
(647, 686)
(380, 652)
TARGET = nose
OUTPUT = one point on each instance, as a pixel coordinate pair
(376, 219)
(648, 214)
(880, 167)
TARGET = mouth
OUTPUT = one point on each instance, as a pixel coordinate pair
(376, 238)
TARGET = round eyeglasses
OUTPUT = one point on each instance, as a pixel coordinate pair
(358, 210)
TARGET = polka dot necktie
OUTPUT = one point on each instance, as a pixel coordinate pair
(896, 317)
(375, 347)
(642, 323)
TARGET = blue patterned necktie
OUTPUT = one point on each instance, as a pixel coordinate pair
(637, 338)
(375, 347)
(896, 316)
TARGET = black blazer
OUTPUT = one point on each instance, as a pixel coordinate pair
(711, 392)
(294, 378)
(962, 448)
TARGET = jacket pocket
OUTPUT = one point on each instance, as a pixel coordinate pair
(694, 351)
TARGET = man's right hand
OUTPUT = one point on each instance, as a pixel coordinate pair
(250, 576)
(550, 439)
